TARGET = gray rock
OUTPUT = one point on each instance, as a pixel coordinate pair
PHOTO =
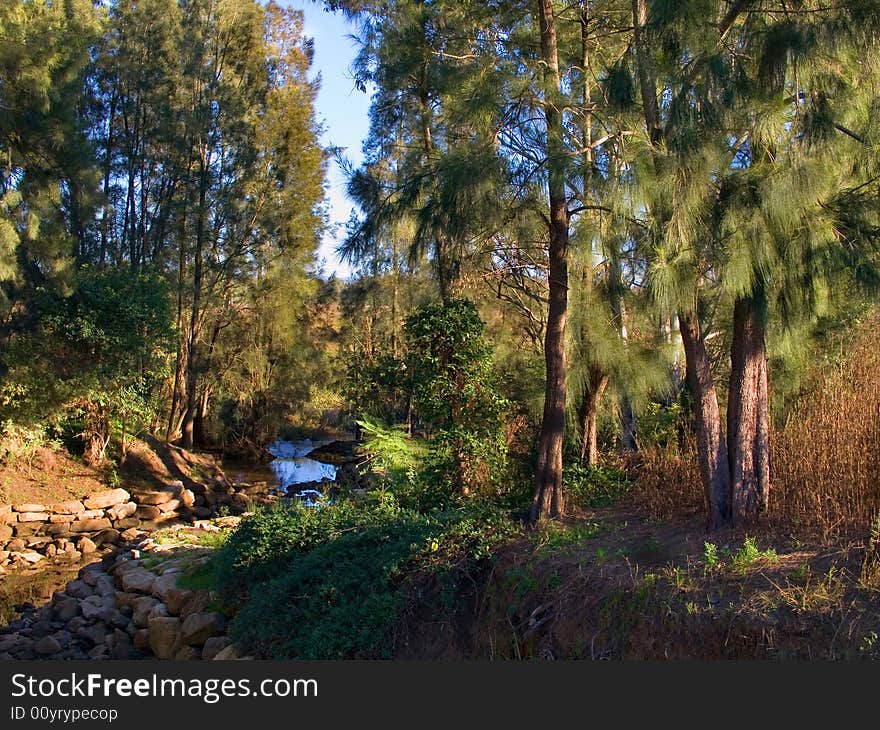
(79, 589)
(47, 646)
(166, 589)
(138, 580)
(66, 608)
(142, 606)
(94, 633)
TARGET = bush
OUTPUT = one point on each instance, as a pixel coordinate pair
(333, 583)
(594, 486)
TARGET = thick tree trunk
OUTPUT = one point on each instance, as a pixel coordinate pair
(711, 446)
(748, 417)
(548, 500)
(588, 417)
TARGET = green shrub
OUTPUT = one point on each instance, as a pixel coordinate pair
(594, 486)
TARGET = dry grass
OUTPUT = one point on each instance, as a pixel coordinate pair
(826, 460)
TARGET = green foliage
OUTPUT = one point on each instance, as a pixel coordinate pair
(455, 394)
(594, 486)
(710, 555)
(748, 554)
(331, 583)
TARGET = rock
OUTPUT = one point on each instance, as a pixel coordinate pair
(71, 555)
(240, 502)
(187, 654)
(199, 627)
(28, 556)
(154, 498)
(132, 533)
(125, 524)
(148, 512)
(141, 639)
(47, 646)
(214, 645)
(165, 588)
(33, 516)
(227, 653)
(197, 602)
(109, 535)
(202, 513)
(90, 525)
(164, 635)
(121, 511)
(94, 633)
(4, 556)
(66, 608)
(59, 530)
(50, 551)
(170, 506)
(66, 508)
(138, 580)
(91, 514)
(5, 509)
(86, 545)
(79, 589)
(160, 610)
(5, 533)
(187, 498)
(29, 507)
(142, 607)
(61, 519)
(104, 587)
(95, 607)
(99, 651)
(110, 498)
(76, 624)
(126, 600)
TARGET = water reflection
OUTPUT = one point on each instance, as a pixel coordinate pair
(291, 466)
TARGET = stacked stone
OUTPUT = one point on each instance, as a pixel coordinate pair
(31, 532)
(121, 609)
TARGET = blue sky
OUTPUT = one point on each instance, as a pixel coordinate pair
(341, 108)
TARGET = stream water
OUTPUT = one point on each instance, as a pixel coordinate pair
(292, 467)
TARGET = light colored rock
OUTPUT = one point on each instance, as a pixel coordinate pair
(33, 516)
(126, 523)
(130, 533)
(50, 550)
(28, 556)
(96, 607)
(5, 532)
(154, 498)
(138, 580)
(110, 498)
(121, 511)
(90, 525)
(198, 627)
(67, 508)
(170, 506)
(86, 545)
(228, 653)
(142, 608)
(29, 507)
(164, 635)
(187, 498)
(91, 514)
(5, 509)
(214, 645)
(61, 519)
(46, 646)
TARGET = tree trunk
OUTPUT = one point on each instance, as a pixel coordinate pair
(588, 417)
(748, 417)
(711, 446)
(548, 500)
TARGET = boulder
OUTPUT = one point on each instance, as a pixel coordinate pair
(154, 498)
(94, 633)
(91, 514)
(198, 627)
(148, 512)
(29, 507)
(5, 509)
(46, 646)
(127, 600)
(125, 524)
(27, 556)
(141, 607)
(187, 498)
(187, 654)
(33, 516)
(138, 580)
(86, 545)
(164, 635)
(108, 535)
(110, 498)
(141, 639)
(214, 645)
(65, 608)
(66, 508)
(228, 652)
(97, 607)
(79, 589)
(5, 532)
(121, 511)
(90, 525)
(59, 530)
(61, 519)
(130, 533)
(170, 506)
(166, 589)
